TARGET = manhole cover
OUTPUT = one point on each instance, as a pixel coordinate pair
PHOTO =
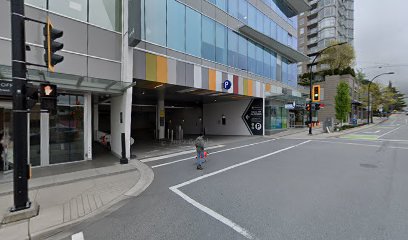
(367, 165)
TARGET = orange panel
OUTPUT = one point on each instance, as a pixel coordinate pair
(267, 87)
(211, 79)
(162, 69)
(250, 88)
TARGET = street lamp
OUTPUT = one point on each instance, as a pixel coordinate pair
(368, 95)
(311, 77)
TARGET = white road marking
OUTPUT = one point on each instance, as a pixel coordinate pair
(220, 151)
(175, 154)
(78, 236)
(214, 214)
(395, 129)
(360, 144)
(372, 132)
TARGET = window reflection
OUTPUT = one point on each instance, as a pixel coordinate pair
(106, 13)
(77, 9)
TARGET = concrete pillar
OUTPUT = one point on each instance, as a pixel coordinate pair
(88, 126)
(95, 119)
(161, 118)
(121, 109)
(45, 139)
(121, 106)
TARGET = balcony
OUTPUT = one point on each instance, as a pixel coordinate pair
(292, 8)
(312, 41)
(312, 22)
(312, 32)
(311, 3)
(313, 13)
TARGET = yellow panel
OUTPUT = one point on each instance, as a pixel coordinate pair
(162, 69)
(245, 87)
(250, 88)
(211, 79)
(151, 67)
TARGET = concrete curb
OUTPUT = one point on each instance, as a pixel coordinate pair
(345, 132)
(146, 178)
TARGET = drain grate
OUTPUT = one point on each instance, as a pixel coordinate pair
(368, 165)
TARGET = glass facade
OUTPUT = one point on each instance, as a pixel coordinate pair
(193, 32)
(67, 130)
(172, 24)
(103, 13)
(176, 25)
(208, 39)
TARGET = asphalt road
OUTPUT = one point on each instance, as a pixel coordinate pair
(352, 187)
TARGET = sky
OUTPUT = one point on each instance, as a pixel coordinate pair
(381, 40)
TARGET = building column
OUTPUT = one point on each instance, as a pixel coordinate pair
(45, 139)
(88, 126)
(161, 118)
(95, 119)
(121, 106)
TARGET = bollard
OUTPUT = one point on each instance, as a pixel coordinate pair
(123, 160)
(172, 135)
(168, 133)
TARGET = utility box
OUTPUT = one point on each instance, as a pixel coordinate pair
(328, 125)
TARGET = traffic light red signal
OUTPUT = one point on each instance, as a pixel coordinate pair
(308, 107)
(48, 95)
(51, 46)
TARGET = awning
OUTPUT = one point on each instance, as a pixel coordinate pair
(292, 8)
(72, 82)
(287, 98)
(286, 51)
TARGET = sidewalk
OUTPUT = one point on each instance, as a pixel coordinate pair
(318, 132)
(149, 149)
(69, 198)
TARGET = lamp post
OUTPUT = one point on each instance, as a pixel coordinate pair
(368, 95)
(311, 79)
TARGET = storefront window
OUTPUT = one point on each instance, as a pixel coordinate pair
(77, 9)
(106, 13)
(6, 139)
(276, 117)
(67, 131)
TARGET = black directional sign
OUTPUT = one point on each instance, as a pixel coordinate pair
(253, 117)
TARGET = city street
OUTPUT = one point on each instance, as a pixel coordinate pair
(352, 187)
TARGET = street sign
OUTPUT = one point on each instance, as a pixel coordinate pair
(253, 117)
(227, 84)
(6, 88)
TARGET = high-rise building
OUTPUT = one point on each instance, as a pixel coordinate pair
(327, 20)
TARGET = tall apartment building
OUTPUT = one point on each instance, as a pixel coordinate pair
(327, 20)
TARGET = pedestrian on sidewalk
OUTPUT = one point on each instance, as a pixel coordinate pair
(199, 144)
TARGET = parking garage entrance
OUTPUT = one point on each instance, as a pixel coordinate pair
(172, 115)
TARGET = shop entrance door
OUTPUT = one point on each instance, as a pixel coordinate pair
(292, 120)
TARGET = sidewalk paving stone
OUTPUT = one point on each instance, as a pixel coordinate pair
(67, 198)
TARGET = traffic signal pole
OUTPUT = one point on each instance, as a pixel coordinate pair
(18, 57)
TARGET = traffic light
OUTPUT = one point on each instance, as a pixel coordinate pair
(316, 93)
(48, 95)
(308, 107)
(51, 46)
(317, 106)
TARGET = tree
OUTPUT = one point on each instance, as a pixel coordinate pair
(375, 95)
(338, 57)
(342, 101)
(393, 99)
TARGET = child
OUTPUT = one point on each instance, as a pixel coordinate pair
(199, 144)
